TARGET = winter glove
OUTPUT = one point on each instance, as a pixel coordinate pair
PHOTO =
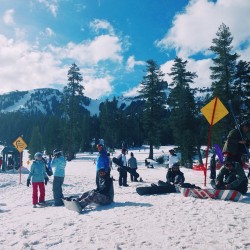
(46, 180)
(28, 182)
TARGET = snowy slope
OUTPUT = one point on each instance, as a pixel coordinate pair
(132, 222)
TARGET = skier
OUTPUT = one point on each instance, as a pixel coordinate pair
(102, 195)
(59, 164)
(237, 143)
(132, 163)
(39, 178)
(231, 176)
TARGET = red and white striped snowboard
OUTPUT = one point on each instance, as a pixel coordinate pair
(226, 195)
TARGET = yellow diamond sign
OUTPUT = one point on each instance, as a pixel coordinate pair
(20, 144)
(214, 111)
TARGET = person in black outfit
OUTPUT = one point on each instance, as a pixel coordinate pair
(102, 195)
(174, 175)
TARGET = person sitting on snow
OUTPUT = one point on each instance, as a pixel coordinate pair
(174, 175)
(102, 195)
(231, 176)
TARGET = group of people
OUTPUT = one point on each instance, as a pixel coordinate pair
(231, 175)
(39, 178)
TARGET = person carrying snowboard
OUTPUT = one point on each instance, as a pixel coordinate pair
(102, 195)
(231, 176)
(39, 178)
(132, 163)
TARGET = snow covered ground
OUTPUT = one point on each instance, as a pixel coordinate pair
(168, 221)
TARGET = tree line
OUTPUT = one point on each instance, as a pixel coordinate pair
(163, 113)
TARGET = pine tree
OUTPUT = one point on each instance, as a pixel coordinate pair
(182, 105)
(223, 74)
(224, 69)
(153, 93)
(241, 90)
(72, 103)
(35, 144)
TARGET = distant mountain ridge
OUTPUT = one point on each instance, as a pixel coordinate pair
(45, 101)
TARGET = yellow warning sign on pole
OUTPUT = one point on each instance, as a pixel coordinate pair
(20, 144)
(214, 111)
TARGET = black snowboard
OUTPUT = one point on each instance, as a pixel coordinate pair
(155, 190)
(118, 162)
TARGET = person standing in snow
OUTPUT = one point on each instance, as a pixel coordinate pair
(173, 158)
(102, 161)
(132, 163)
(231, 176)
(122, 171)
(237, 142)
(39, 178)
(59, 164)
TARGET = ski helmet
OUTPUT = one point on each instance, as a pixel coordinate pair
(57, 152)
(38, 156)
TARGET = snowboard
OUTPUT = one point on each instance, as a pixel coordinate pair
(73, 205)
(226, 195)
(155, 190)
(118, 162)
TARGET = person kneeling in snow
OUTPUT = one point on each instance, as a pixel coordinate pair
(102, 195)
(232, 176)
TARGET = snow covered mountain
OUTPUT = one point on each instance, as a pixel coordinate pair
(45, 101)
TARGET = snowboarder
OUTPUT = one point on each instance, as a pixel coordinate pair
(237, 143)
(102, 195)
(231, 176)
(174, 175)
(39, 178)
(102, 161)
(132, 163)
(59, 164)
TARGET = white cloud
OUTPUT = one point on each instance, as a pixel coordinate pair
(52, 5)
(8, 18)
(131, 63)
(194, 29)
(22, 67)
(102, 48)
(98, 87)
(132, 92)
(98, 25)
(200, 67)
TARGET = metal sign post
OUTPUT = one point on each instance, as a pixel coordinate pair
(20, 145)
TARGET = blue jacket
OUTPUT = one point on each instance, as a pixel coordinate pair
(59, 164)
(37, 171)
(102, 161)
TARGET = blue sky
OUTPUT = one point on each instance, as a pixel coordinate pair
(110, 40)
